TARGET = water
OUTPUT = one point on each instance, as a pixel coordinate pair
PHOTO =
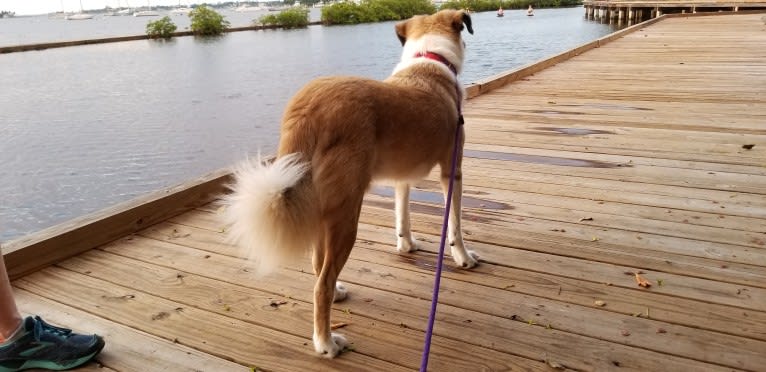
(83, 128)
(44, 28)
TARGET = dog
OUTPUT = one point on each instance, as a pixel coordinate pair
(338, 134)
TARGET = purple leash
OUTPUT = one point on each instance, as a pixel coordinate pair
(437, 279)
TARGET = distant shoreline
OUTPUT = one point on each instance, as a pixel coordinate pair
(117, 39)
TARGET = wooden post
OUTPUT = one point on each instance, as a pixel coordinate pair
(621, 15)
(630, 13)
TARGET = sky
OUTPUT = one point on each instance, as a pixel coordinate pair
(24, 7)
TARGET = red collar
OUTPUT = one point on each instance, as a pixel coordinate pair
(439, 58)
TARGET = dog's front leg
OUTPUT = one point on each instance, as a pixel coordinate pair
(463, 257)
(404, 243)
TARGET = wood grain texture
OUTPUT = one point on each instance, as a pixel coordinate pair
(612, 159)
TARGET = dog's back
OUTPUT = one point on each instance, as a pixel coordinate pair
(402, 126)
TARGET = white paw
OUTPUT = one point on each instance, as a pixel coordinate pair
(340, 292)
(466, 259)
(330, 348)
(405, 245)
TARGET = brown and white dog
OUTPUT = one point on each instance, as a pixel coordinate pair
(339, 134)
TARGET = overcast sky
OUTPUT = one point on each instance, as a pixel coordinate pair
(50, 6)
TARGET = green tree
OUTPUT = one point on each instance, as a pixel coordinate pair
(348, 12)
(206, 21)
(296, 17)
(161, 28)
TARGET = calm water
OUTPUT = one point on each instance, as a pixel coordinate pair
(44, 28)
(83, 128)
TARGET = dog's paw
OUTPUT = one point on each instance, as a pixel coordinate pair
(331, 347)
(340, 292)
(405, 246)
(467, 260)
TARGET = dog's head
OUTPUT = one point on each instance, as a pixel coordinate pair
(437, 33)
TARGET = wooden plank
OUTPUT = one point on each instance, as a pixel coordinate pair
(572, 282)
(574, 213)
(690, 178)
(676, 198)
(242, 342)
(406, 306)
(126, 349)
(626, 248)
(687, 342)
(566, 229)
(533, 104)
(689, 270)
(671, 268)
(373, 338)
(582, 200)
(714, 154)
(533, 281)
(751, 297)
(579, 233)
(41, 249)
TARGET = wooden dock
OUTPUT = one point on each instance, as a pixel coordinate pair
(645, 155)
(634, 11)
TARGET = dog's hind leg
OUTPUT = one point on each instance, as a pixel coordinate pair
(317, 261)
(339, 238)
(404, 243)
(463, 257)
(339, 216)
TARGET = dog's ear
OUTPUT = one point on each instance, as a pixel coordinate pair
(401, 31)
(461, 18)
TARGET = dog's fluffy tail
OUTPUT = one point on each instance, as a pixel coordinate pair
(271, 213)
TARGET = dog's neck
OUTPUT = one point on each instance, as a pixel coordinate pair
(440, 51)
(445, 48)
(437, 57)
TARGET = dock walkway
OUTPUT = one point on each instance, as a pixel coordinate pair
(646, 155)
(638, 10)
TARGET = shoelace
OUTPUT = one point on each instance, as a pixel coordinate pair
(41, 326)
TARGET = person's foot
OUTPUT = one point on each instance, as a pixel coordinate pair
(41, 345)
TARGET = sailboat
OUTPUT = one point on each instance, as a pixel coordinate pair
(124, 12)
(247, 8)
(181, 10)
(146, 13)
(77, 16)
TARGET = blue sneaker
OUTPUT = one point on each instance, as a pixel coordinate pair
(42, 345)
